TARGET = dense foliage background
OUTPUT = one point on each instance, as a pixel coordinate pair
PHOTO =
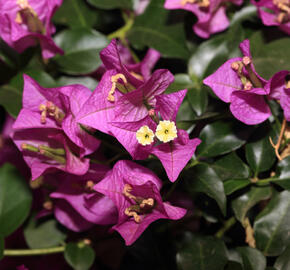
(236, 191)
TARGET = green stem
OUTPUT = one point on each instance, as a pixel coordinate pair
(192, 164)
(267, 181)
(33, 252)
(121, 32)
(227, 225)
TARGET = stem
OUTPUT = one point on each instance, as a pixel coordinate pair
(227, 225)
(192, 164)
(267, 181)
(121, 32)
(33, 252)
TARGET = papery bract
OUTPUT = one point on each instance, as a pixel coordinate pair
(135, 191)
(279, 88)
(174, 154)
(116, 56)
(237, 82)
(47, 131)
(274, 13)
(211, 14)
(26, 22)
(86, 207)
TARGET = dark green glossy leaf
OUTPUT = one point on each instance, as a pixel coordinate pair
(205, 180)
(198, 98)
(150, 30)
(233, 185)
(43, 234)
(110, 4)
(11, 99)
(242, 204)
(79, 256)
(196, 93)
(283, 262)
(43, 78)
(1, 247)
(273, 57)
(15, 199)
(181, 81)
(259, 153)
(231, 166)
(75, 14)
(221, 138)
(86, 81)
(272, 226)
(202, 253)
(204, 54)
(252, 258)
(283, 173)
(82, 48)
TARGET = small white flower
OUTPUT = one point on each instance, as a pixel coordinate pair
(166, 131)
(145, 135)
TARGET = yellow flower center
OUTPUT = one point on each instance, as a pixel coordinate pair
(142, 206)
(145, 135)
(166, 131)
(201, 3)
(27, 15)
(284, 7)
(49, 109)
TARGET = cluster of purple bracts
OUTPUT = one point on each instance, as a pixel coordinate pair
(27, 23)
(55, 133)
(236, 82)
(212, 18)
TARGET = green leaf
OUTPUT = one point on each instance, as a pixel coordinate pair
(15, 199)
(11, 99)
(233, 185)
(283, 262)
(260, 154)
(272, 225)
(86, 81)
(231, 166)
(283, 173)
(220, 138)
(150, 30)
(205, 180)
(43, 234)
(253, 259)
(242, 204)
(198, 98)
(110, 4)
(272, 57)
(1, 248)
(43, 78)
(79, 256)
(75, 14)
(204, 54)
(196, 93)
(81, 47)
(202, 253)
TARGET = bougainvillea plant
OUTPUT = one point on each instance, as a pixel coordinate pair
(144, 134)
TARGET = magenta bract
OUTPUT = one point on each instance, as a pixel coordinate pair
(237, 82)
(211, 14)
(24, 23)
(135, 192)
(47, 132)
